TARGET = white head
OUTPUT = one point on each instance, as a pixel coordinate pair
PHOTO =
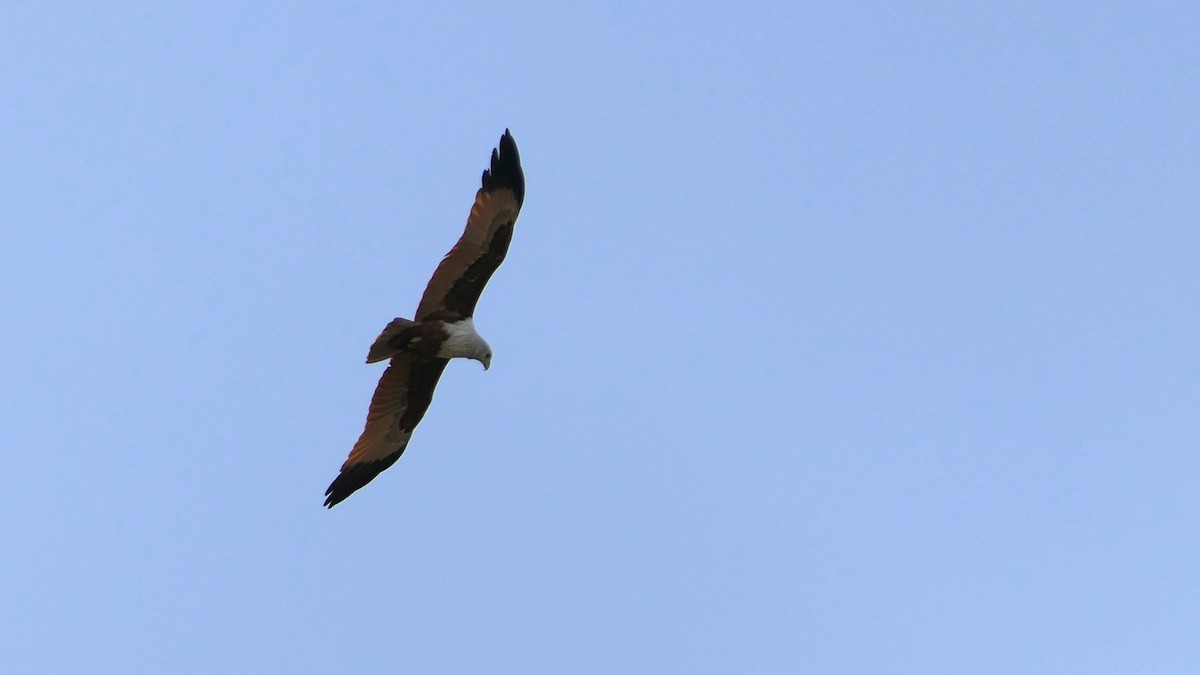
(463, 342)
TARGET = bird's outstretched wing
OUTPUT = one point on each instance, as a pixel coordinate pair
(400, 401)
(466, 269)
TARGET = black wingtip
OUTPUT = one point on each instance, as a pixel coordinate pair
(354, 477)
(505, 172)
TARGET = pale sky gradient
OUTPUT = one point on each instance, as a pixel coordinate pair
(845, 338)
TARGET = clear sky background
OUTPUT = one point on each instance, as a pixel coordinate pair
(840, 338)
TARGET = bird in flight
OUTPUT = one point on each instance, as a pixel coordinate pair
(442, 328)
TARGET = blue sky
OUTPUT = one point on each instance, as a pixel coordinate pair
(850, 338)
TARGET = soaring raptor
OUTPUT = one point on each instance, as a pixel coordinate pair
(442, 330)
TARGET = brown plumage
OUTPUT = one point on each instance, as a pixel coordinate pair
(406, 387)
(422, 338)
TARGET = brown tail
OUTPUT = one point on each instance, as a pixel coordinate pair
(382, 347)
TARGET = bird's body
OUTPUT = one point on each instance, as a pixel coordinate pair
(444, 335)
(443, 329)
